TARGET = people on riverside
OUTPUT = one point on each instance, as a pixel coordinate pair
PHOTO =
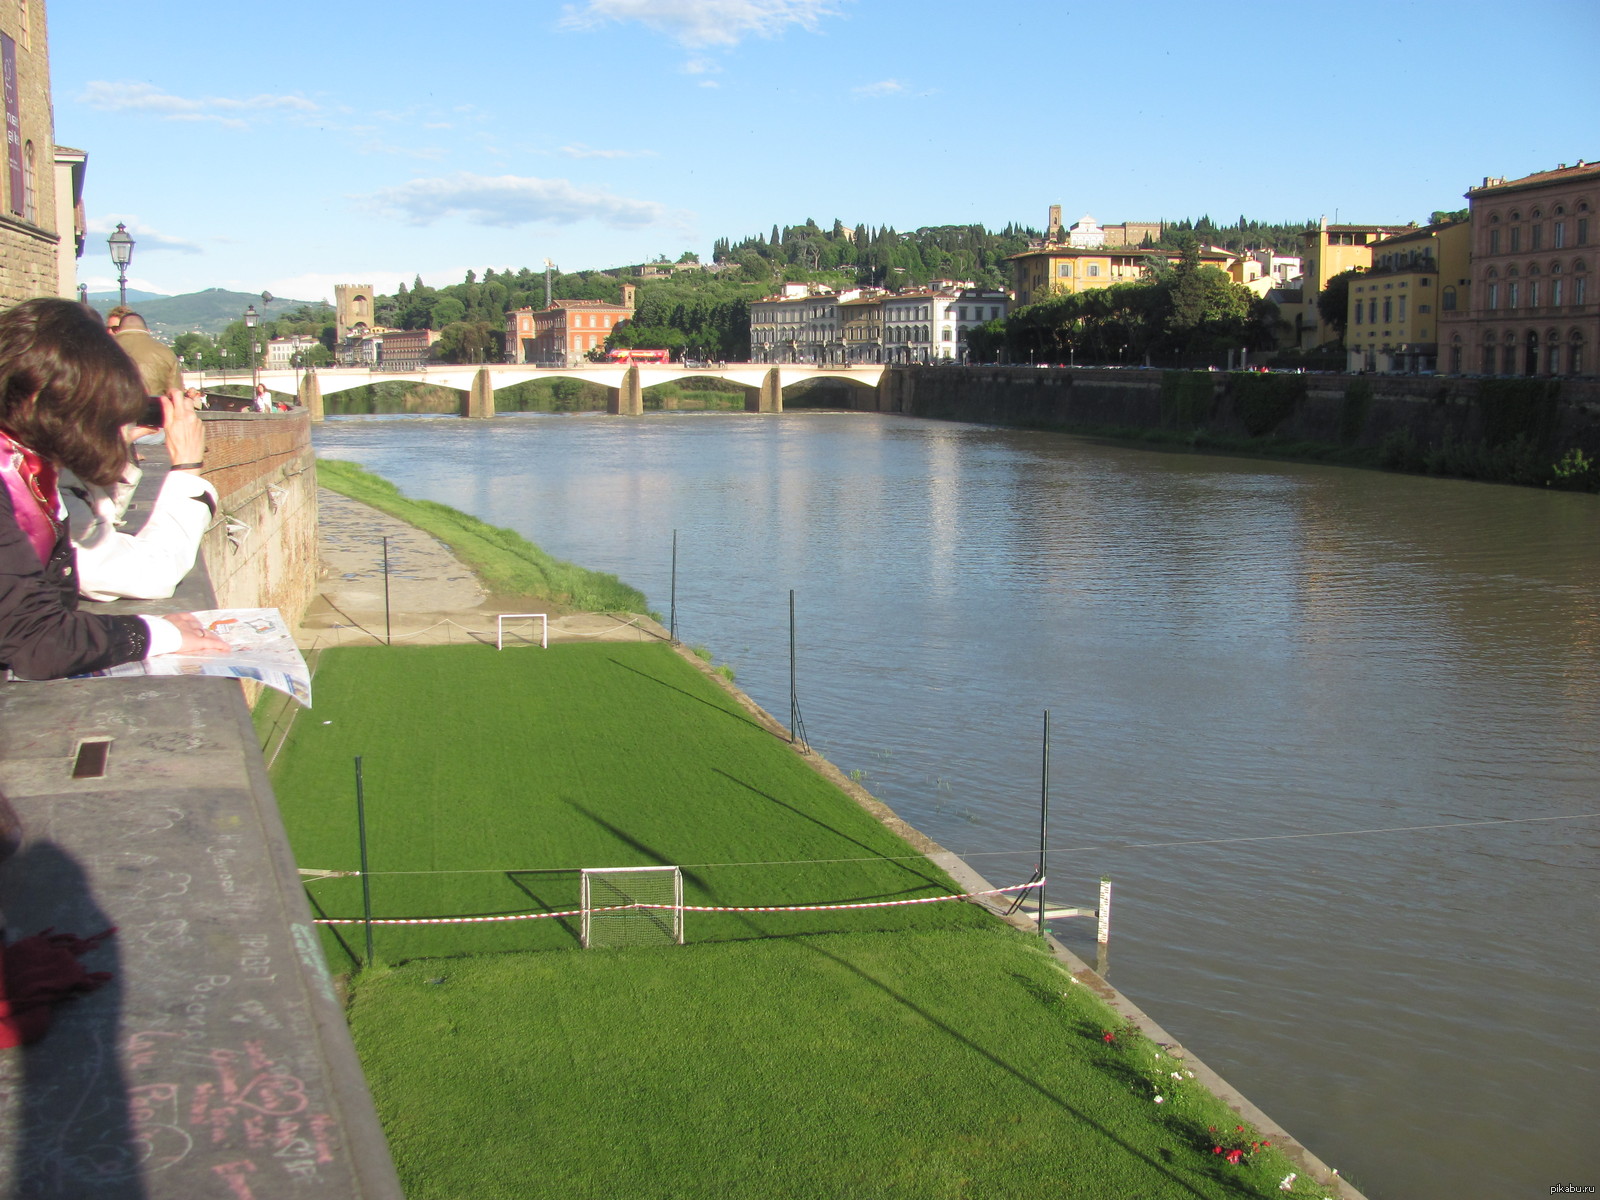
(67, 393)
(157, 363)
(263, 398)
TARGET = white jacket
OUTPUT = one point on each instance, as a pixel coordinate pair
(147, 565)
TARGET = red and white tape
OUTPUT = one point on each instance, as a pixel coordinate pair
(577, 912)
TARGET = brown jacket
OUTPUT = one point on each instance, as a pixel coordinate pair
(156, 363)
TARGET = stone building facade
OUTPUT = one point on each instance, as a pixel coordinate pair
(1531, 309)
(30, 243)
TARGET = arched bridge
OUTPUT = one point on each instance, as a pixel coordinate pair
(627, 381)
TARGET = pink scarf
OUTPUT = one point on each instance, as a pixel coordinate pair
(31, 481)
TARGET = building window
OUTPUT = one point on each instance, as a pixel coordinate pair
(1583, 231)
(1536, 237)
(1494, 241)
(1559, 236)
(1358, 312)
(1516, 238)
(1494, 296)
(28, 213)
(1094, 268)
(1402, 308)
(1511, 295)
(1533, 293)
(1555, 293)
(1388, 310)
(1575, 355)
(1578, 289)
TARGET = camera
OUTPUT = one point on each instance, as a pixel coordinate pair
(155, 413)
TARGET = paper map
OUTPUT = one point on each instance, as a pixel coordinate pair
(262, 649)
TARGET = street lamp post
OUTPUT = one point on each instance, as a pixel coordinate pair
(121, 243)
(250, 319)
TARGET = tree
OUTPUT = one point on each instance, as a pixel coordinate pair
(1333, 304)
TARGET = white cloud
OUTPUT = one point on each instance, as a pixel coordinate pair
(505, 201)
(700, 66)
(884, 87)
(702, 22)
(147, 98)
(579, 150)
(145, 239)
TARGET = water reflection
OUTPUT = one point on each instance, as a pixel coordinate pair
(1230, 650)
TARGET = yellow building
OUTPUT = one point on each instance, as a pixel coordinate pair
(1053, 270)
(1327, 251)
(1394, 307)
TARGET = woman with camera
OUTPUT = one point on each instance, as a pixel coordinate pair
(67, 394)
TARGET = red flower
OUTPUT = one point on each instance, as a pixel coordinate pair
(1108, 1037)
(1216, 1149)
(1235, 1155)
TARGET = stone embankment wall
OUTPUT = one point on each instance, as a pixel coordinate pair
(1433, 411)
(265, 554)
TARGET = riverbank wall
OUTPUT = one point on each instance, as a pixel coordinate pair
(261, 552)
(1399, 416)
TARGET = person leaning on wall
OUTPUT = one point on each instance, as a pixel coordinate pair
(67, 392)
(150, 564)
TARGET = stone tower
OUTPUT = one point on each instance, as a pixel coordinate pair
(352, 311)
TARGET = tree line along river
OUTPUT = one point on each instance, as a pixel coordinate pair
(1333, 733)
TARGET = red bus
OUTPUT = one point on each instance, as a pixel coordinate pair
(641, 356)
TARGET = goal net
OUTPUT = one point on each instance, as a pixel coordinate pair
(610, 913)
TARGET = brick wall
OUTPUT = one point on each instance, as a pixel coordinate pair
(264, 471)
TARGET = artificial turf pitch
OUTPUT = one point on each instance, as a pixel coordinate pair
(491, 778)
(925, 1051)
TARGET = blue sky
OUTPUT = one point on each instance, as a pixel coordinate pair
(292, 146)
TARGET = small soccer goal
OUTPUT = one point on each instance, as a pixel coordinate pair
(611, 912)
(500, 628)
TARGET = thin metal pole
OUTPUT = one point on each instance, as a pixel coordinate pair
(674, 630)
(366, 882)
(387, 639)
(794, 699)
(1044, 816)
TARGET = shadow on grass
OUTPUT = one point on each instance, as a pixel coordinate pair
(1015, 1072)
(316, 907)
(727, 712)
(544, 903)
(909, 867)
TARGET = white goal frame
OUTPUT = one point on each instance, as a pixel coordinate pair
(664, 923)
(500, 628)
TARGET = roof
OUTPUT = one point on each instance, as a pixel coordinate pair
(1562, 174)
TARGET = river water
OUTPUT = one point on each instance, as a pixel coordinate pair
(1332, 733)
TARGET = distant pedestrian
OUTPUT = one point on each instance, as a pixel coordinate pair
(263, 398)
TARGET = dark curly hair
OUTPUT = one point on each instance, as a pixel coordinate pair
(67, 388)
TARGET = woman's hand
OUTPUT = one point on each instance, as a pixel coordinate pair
(196, 637)
(186, 432)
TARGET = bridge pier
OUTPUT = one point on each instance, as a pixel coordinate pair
(770, 399)
(628, 399)
(479, 399)
(310, 395)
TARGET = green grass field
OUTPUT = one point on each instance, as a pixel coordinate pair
(495, 776)
(921, 1052)
(925, 1064)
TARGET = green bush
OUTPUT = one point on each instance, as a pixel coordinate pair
(1353, 412)
(1188, 398)
(1263, 402)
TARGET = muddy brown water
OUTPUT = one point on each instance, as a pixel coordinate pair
(1335, 734)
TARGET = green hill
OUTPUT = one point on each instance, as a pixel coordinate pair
(210, 311)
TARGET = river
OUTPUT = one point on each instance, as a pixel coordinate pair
(1332, 733)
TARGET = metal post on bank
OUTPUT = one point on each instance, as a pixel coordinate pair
(366, 881)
